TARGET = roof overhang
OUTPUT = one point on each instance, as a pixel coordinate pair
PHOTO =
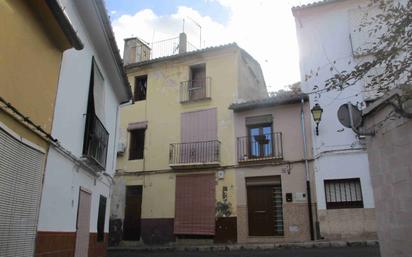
(268, 102)
(97, 23)
(297, 9)
(65, 24)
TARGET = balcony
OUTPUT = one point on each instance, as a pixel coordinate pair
(195, 90)
(195, 154)
(96, 141)
(265, 147)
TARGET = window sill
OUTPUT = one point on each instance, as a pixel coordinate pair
(196, 100)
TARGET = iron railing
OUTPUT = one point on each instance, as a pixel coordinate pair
(260, 147)
(203, 152)
(194, 90)
(96, 142)
(168, 47)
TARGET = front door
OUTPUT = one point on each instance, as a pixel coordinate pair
(83, 224)
(260, 211)
(131, 228)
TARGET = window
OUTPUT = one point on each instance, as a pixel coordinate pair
(197, 85)
(140, 88)
(136, 144)
(343, 193)
(96, 137)
(101, 218)
(260, 138)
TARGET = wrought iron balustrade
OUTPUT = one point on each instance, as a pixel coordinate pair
(96, 141)
(193, 90)
(260, 147)
(204, 152)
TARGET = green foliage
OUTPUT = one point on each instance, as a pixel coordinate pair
(391, 53)
(223, 209)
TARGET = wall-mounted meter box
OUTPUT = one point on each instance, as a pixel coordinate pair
(300, 197)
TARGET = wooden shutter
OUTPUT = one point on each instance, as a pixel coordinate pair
(195, 205)
(20, 190)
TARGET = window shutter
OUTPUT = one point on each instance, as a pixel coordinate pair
(20, 190)
(199, 126)
(195, 205)
(263, 119)
(98, 93)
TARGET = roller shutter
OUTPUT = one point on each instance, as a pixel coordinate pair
(195, 205)
(20, 192)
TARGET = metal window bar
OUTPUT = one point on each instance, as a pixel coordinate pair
(194, 152)
(96, 149)
(262, 147)
(194, 90)
(343, 193)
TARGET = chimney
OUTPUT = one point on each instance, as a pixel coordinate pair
(135, 50)
(182, 43)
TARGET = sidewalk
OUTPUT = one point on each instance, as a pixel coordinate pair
(234, 247)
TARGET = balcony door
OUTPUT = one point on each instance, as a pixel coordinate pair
(197, 84)
(260, 140)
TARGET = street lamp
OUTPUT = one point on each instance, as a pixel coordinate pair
(317, 115)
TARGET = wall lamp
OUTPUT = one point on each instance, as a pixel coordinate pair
(317, 115)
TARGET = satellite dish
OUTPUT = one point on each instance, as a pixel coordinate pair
(344, 116)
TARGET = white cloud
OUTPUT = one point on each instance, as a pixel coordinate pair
(265, 28)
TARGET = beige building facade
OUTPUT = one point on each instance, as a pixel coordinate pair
(274, 167)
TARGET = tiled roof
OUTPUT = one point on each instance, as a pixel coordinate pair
(177, 56)
(268, 102)
(314, 4)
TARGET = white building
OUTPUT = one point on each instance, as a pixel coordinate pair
(328, 44)
(74, 211)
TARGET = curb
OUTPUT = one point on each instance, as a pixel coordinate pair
(237, 247)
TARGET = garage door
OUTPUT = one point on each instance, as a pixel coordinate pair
(20, 191)
(195, 205)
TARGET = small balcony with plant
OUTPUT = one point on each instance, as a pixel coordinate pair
(260, 147)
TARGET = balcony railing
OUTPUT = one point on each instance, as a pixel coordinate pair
(260, 147)
(194, 90)
(96, 142)
(205, 153)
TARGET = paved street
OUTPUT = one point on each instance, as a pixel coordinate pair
(297, 252)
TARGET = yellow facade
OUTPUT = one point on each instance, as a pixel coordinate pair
(31, 51)
(162, 110)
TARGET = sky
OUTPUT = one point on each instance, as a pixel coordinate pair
(264, 28)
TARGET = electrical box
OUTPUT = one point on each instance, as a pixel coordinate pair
(289, 197)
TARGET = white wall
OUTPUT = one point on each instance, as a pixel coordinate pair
(63, 178)
(325, 49)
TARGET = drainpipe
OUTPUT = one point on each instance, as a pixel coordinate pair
(305, 156)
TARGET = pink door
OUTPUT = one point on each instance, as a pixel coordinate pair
(83, 224)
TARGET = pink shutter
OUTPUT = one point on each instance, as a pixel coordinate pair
(195, 205)
(199, 126)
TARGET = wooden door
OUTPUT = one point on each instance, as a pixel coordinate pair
(83, 224)
(260, 211)
(132, 219)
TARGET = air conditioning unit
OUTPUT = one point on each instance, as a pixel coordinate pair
(121, 148)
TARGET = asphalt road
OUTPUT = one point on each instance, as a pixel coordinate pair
(293, 252)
